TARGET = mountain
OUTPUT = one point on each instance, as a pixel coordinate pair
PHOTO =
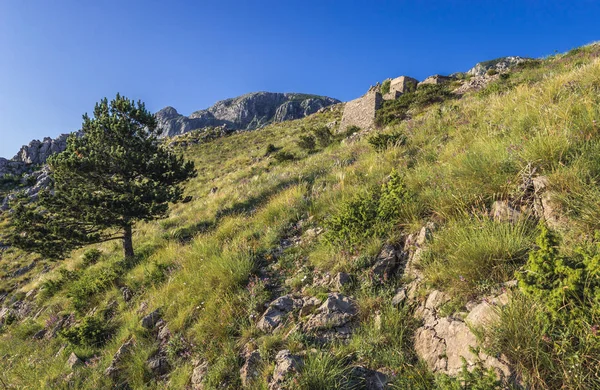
(450, 243)
(246, 112)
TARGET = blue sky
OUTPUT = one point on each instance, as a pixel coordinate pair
(60, 57)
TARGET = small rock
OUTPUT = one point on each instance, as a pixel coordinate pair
(277, 311)
(337, 310)
(501, 211)
(127, 293)
(158, 365)
(39, 334)
(250, 369)
(74, 360)
(340, 280)
(387, 262)
(400, 297)
(285, 365)
(198, 375)
(309, 306)
(164, 334)
(113, 370)
(151, 319)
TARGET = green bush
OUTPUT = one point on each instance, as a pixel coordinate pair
(351, 130)
(271, 149)
(371, 213)
(284, 156)
(385, 86)
(91, 256)
(491, 72)
(570, 287)
(382, 141)
(89, 285)
(307, 142)
(91, 331)
(323, 136)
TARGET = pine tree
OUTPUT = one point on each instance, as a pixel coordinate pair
(114, 173)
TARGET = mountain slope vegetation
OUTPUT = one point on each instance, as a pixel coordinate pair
(271, 216)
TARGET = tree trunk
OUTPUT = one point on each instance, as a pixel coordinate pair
(127, 243)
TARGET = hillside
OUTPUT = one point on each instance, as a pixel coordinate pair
(455, 246)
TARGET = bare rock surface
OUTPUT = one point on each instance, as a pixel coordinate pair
(286, 365)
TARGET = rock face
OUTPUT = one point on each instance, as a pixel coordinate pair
(501, 64)
(36, 153)
(361, 112)
(443, 341)
(245, 112)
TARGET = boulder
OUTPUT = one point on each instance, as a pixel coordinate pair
(340, 280)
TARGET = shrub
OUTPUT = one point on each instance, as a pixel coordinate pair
(351, 130)
(284, 156)
(491, 72)
(382, 141)
(271, 149)
(372, 213)
(85, 288)
(569, 287)
(354, 221)
(307, 142)
(91, 256)
(91, 331)
(385, 86)
(323, 136)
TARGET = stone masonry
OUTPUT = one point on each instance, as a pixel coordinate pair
(399, 86)
(361, 112)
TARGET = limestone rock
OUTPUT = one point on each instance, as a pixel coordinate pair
(501, 64)
(369, 379)
(250, 369)
(113, 370)
(544, 204)
(400, 297)
(286, 365)
(277, 312)
(158, 365)
(150, 320)
(74, 360)
(198, 375)
(503, 212)
(340, 280)
(336, 311)
(387, 262)
(245, 112)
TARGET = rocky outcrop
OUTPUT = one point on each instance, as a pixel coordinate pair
(499, 65)
(246, 112)
(361, 112)
(443, 341)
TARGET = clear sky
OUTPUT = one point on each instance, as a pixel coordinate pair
(57, 58)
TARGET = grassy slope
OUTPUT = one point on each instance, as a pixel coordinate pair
(196, 265)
